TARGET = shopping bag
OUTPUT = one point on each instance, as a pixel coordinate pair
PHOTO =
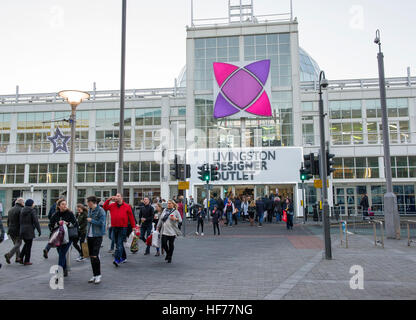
(130, 240)
(57, 237)
(156, 239)
(134, 247)
(265, 214)
(66, 234)
(149, 240)
(85, 250)
(5, 237)
(284, 216)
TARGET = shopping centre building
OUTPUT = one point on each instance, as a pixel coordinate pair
(247, 100)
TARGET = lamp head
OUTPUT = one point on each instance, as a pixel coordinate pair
(324, 83)
(73, 97)
(377, 39)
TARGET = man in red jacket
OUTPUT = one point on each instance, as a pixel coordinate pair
(121, 214)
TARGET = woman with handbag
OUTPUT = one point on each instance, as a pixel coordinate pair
(168, 228)
(288, 207)
(64, 216)
(82, 215)
(28, 223)
(156, 218)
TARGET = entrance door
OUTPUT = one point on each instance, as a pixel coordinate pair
(347, 199)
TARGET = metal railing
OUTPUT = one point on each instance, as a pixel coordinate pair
(370, 83)
(411, 231)
(381, 224)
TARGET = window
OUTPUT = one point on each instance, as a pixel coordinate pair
(405, 198)
(148, 117)
(308, 131)
(275, 47)
(307, 106)
(356, 168)
(178, 111)
(395, 108)
(34, 120)
(111, 118)
(48, 173)
(33, 142)
(345, 133)
(403, 167)
(208, 51)
(82, 119)
(95, 172)
(12, 173)
(140, 193)
(109, 139)
(141, 172)
(348, 109)
(147, 139)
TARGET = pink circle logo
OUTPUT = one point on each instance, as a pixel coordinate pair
(242, 88)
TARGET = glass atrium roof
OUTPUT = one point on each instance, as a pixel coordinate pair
(309, 69)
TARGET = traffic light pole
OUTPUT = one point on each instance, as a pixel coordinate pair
(323, 169)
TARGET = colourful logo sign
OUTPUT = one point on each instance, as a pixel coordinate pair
(242, 89)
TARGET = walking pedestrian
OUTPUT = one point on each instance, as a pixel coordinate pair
(51, 212)
(364, 205)
(216, 214)
(277, 209)
(181, 210)
(82, 215)
(269, 208)
(28, 223)
(200, 218)
(13, 223)
(95, 231)
(63, 215)
(260, 211)
(121, 214)
(229, 210)
(251, 212)
(146, 219)
(244, 208)
(168, 227)
(288, 207)
(156, 217)
(2, 233)
(237, 205)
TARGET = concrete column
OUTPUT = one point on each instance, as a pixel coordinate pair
(92, 130)
(296, 103)
(13, 133)
(412, 119)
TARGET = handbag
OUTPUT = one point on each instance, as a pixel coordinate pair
(156, 239)
(134, 247)
(85, 250)
(149, 240)
(57, 237)
(73, 233)
(284, 216)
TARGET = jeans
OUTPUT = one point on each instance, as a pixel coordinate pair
(200, 223)
(278, 217)
(230, 218)
(94, 245)
(119, 235)
(111, 234)
(17, 242)
(261, 217)
(168, 245)
(27, 248)
(145, 231)
(62, 251)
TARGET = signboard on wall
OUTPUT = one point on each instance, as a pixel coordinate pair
(249, 165)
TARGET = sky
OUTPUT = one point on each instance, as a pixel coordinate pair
(50, 45)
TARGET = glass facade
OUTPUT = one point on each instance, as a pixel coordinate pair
(48, 173)
(208, 51)
(12, 173)
(141, 172)
(275, 47)
(95, 172)
(356, 168)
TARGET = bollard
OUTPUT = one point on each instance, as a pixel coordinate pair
(375, 234)
(408, 234)
(346, 234)
(382, 233)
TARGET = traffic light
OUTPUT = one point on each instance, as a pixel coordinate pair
(329, 163)
(215, 176)
(174, 169)
(187, 171)
(203, 173)
(307, 172)
(304, 175)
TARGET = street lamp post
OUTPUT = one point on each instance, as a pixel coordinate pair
(120, 172)
(391, 214)
(323, 83)
(74, 98)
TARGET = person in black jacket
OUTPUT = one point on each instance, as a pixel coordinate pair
(2, 233)
(277, 209)
(28, 223)
(52, 211)
(216, 214)
(63, 215)
(13, 222)
(288, 207)
(147, 213)
(364, 205)
(82, 215)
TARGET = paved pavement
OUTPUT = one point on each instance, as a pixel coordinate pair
(243, 263)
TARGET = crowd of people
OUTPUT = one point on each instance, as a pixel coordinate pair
(88, 226)
(234, 209)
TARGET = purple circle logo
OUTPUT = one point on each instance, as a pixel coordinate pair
(242, 88)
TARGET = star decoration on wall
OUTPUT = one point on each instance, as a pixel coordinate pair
(59, 141)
